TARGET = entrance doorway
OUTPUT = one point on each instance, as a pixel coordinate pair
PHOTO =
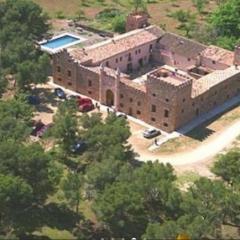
(109, 98)
(129, 67)
(130, 111)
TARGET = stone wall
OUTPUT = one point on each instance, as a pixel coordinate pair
(133, 102)
(134, 56)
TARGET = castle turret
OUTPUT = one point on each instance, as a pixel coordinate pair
(136, 20)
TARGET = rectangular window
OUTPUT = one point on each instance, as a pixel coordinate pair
(139, 103)
(69, 73)
(89, 83)
(154, 108)
(129, 57)
(150, 47)
(58, 68)
(116, 60)
(121, 96)
(138, 112)
(107, 64)
(166, 113)
(153, 119)
(121, 105)
(165, 124)
(59, 79)
(69, 84)
(120, 59)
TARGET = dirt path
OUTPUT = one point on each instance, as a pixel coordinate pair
(201, 154)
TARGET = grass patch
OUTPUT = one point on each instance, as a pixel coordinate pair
(186, 179)
(53, 233)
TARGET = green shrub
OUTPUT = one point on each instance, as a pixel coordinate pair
(108, 13)
(118, 24)
(60, 15)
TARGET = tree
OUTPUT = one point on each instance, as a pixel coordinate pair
(16, 115)
(119, 23)
(21, 18)
(139, 5)
(207, 205)
(226, 20)
(167, 230)
(23, 22)
(15, 196)
(66, 126)
(33, 165)
(228, 167)
(72, 189)
(3, 82)
(102, 136)
(146, 194)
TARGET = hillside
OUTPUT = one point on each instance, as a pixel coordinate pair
(159, 10)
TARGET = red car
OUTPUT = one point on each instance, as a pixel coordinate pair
(85, 104)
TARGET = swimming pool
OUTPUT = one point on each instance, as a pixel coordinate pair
(59, 42)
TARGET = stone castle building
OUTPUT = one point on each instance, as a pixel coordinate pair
(161, 78)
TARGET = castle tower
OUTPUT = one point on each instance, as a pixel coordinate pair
(237, 55)
(136, 20)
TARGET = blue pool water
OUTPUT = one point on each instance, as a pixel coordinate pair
(60, 42)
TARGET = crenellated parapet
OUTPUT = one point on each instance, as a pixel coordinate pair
(169, 79)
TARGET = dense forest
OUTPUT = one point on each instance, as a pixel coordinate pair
(42, 186)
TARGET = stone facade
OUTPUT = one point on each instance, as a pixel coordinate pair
(186, 78)
(136, 20)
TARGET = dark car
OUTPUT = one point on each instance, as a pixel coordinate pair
(40, 128)
(59, 93)
(121, 115)
(79, 147)
(33, 100)
(37, 127)
(72, 97)
(151, 133)
(41, 132)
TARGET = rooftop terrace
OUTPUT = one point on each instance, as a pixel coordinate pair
(171, 75)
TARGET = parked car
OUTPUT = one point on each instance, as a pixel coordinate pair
(33, 100)
(73, 97)
(78, 147)
(59, 93)
(121, 115)
(40, 128)
(44, 129)
(151, 133)
(86, 107)
(37, 127)
(85, 104)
